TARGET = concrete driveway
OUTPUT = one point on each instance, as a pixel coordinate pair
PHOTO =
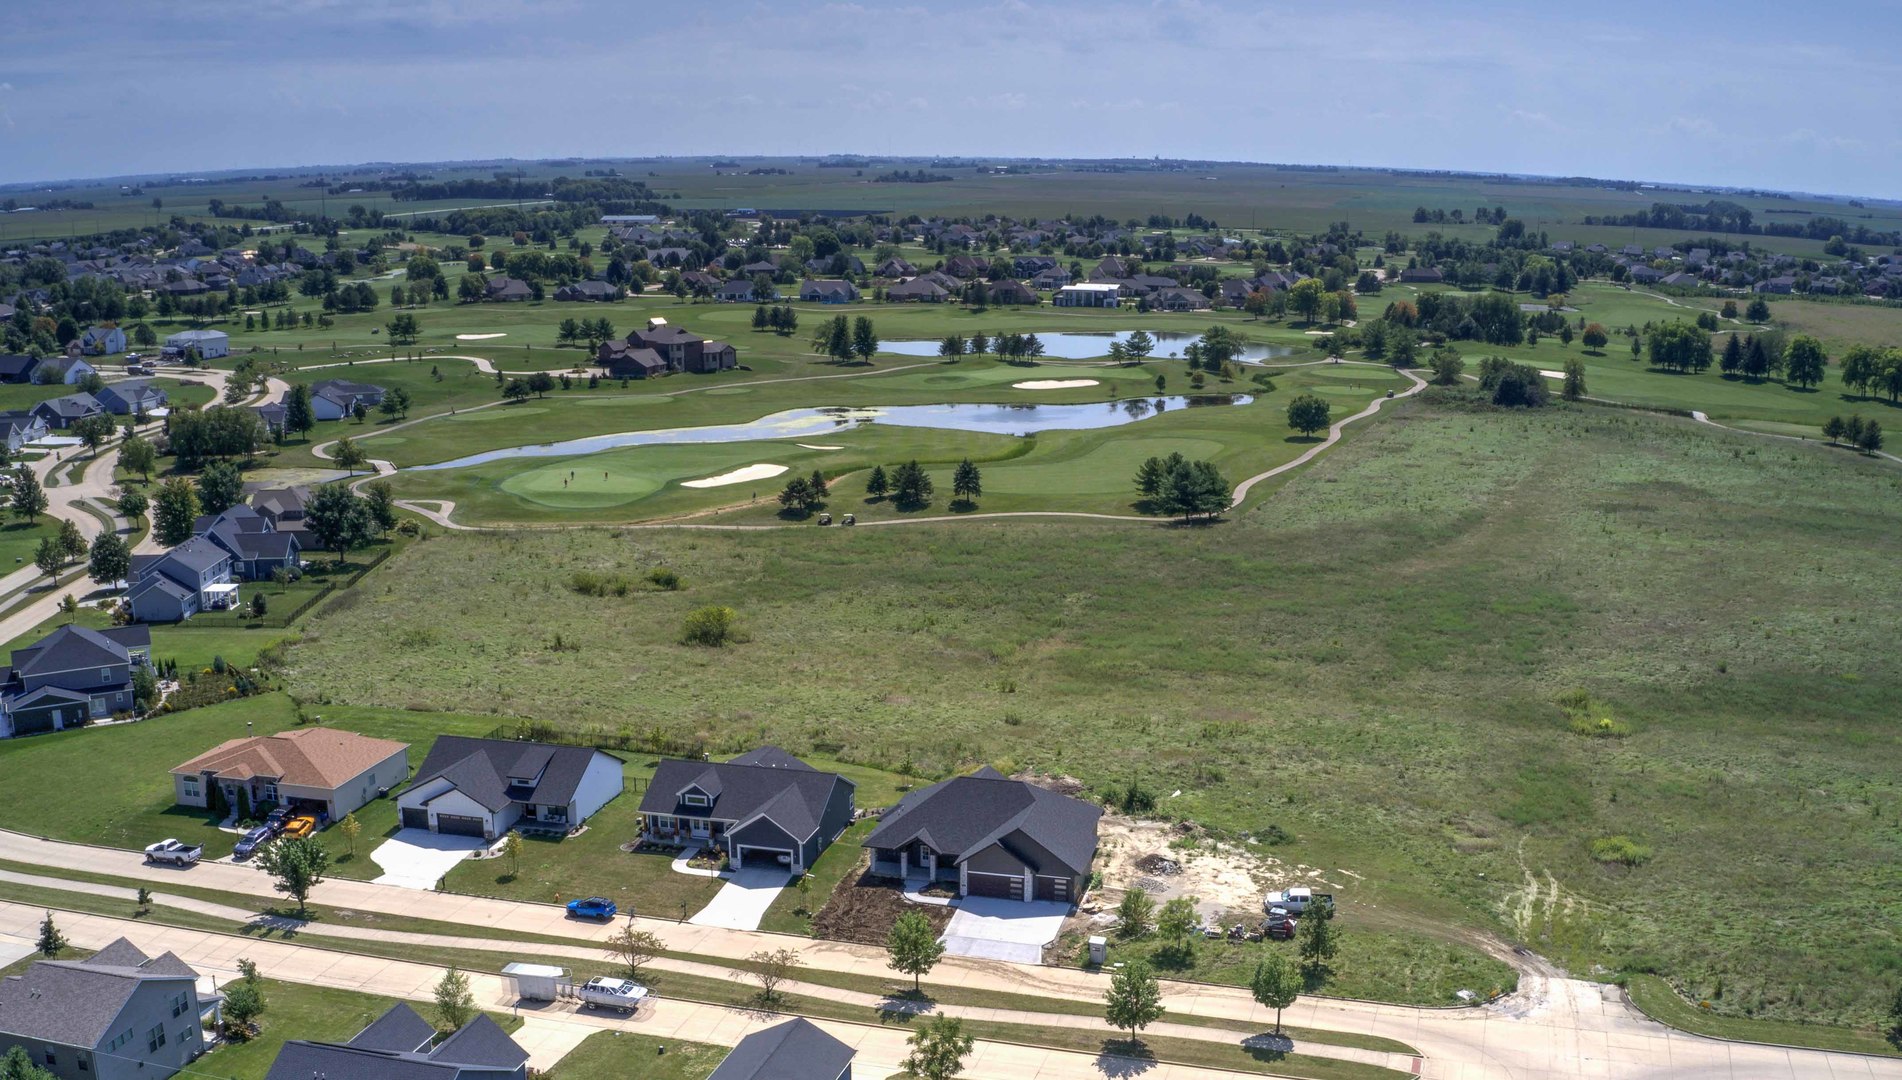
(1010, 930)
(418, 858)
(742, 902)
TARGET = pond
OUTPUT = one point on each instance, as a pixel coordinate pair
(1075, 345)
(816, 422)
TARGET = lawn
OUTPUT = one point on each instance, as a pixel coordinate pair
(615, 1055)
(833, 866)
(1724, 598)
(1657, 1000)
(311, 1013)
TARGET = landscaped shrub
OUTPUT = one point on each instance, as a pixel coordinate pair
(663, 578)
(591, 583)
(710, 626)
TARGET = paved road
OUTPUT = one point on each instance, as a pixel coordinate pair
(1552, 1028)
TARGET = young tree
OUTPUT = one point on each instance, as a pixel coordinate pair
(1595, 336)
(1869, 437)
(29, 500)
(772, 967)
(455, 1004)
(967, 484)
(1175, 924)
(298, 864)
(111, 558)
(634, 949)
(1308, 413)
(349, 827)
(877, 485)
(220, 487)
(938, 1049)
(244, 1003)
(51, 941)
(298, 417)
(137, 454)
(1318, 942)
(1833, 429)
(911, 486)
(95, 431)
(516, 391)
(1134, 1000)
(1732, 360)
(864, 339)
(512, 850)
(914, 947)
(797, 499)
(1135, 916)
(133, 504)
(349, 455)
(1276, 985)
(49, 557)
(1574, 380)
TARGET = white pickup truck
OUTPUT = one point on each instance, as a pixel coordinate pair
(605, 993)
(1295, 901)
(174, 852)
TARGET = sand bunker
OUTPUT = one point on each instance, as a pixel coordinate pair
(478, 337)
(1053, 384)
(1552, 374)
(737, 476)
(811, 446)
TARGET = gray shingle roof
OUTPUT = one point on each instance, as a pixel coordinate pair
(75, 1002)
(481, 1048)
(479, 768)
(794, 1050)
(399, 1030)
(767, 781)
(72, 647)
(962, 816)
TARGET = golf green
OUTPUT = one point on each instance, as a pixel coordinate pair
(567, 488)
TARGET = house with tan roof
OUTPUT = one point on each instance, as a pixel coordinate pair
(320, 770)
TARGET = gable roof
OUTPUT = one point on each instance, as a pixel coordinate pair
(76, 1002)
(71, 405)
(399, 1030)
(480, 1048)
(72, 648)
(343, 390)
(767, 782)
(794, 1050)
(480, 769)
(962, 816)
(304, 757)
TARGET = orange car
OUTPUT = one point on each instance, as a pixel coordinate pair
(299, 826)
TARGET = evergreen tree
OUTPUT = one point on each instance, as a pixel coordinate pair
(877, 485)
(967, 484)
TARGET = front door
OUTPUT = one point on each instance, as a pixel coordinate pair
(700, 829)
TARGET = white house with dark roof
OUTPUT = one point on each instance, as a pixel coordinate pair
(401, 1045)
(102, 341)
(204, 344)
(991, 836)
(71, 676)
(116, 1015)
(195, 576)
(334, 399)
(485, 787)
(17, 428)
(764, 805)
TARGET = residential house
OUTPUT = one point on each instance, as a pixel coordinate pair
(684, 350)
(1681, 278)
(132, 397)
(1091, 294)
(1050, 278)
(794, 1050)
(622, 360)
(1641, 273)
(195, 576)
(588, 291)
(256, 548)
(401, 1045)
(917, 290)
(71, 676)
(828, 291)
(102, 341)
(765, 805)
(202, 344)
(334, 399)
(505, 289)
(1110, 268)
(1029, 265)
(485, 787)
(1178, 298)
(966, 266)
(1423, 275)
(744, 291)
(326, 772)
(69, 369)
(272, 415)
(1236, 291)
(61, 413)
(15, 368)
(1013, 292)
(699, 282)
(17, 428)
(116, 1015)
(992, 836)
(1781, 284)
(895, 267)
(282, 507)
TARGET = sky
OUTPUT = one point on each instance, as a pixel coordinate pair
(1746, 93)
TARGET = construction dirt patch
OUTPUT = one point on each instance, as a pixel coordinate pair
(1227, 879)
(863, 908)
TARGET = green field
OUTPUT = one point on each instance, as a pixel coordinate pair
(1697, 585)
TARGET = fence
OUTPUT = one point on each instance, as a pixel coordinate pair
(279, 620)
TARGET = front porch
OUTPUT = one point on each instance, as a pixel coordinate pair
(682, 832)
(914, 864)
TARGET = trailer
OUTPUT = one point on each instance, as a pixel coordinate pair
(538, 982)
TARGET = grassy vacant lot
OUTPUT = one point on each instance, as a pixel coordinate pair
(612, 1055)
(1723, 602)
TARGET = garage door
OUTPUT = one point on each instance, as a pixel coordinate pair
(32, 723)
(456, 825)
(1053, 888)
(1002, 886)
(415, 817)
(763, 858)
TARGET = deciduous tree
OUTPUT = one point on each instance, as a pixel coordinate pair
(1275, 985)
(913, 947)
(938, 1049)
(1134, 1000)
(297, 865)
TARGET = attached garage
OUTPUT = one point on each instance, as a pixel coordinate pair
(1054, 888)
(415, 817)
(762, 858)
(1001, 886)
(457, 825)
(33, 723)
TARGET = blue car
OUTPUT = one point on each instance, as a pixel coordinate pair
(594, 907)
(251, 841)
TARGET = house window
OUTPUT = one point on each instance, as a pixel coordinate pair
(155, 1038)
(662, 823)
(105, 674)
(51, 1058)
(270, 793)
(179, 1004)
(190, 787)
(85, 1062)
(694, 800)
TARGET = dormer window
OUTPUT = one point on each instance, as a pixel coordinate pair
(694, 798)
